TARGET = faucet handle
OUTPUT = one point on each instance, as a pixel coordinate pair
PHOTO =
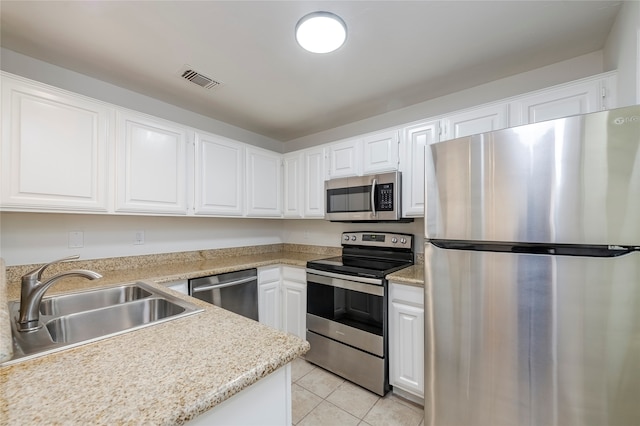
(36, 274)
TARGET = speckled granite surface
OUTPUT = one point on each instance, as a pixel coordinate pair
(164, 374)
(414, 275)
(163, 268)
(5, 329)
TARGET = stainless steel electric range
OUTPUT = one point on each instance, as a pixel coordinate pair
(347, 306)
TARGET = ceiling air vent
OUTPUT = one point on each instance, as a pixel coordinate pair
(199, 79)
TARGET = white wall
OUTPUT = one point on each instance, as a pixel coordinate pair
(27, 238)
(622, 53)
(325, 233)
(44, 72)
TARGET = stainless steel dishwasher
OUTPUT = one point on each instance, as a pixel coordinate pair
(234, 291)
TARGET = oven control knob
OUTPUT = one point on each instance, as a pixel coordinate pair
(403, 240)
(394, 240)
(346, 238)
(353, 238)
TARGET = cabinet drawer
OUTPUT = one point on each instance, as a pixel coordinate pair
(268, 274)
(407, 294)
(292, 273)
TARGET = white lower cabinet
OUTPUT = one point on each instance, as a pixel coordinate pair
(266, 402)
(294, 301)
(269, 296)
(406, 339)
(282, 298)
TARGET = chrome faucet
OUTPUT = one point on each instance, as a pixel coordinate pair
(32, 291)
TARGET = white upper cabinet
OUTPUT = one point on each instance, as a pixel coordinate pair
(373, 153)
(151, 161)
(381, 152)
(219, 176)
(314, 177)
(412, 159)
(345, 158)
(575, 98)
(477, 120)
(55, 149)
(264, 183)
(293, 184)
(304, 176)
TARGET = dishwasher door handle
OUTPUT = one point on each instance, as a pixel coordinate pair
(222, 285)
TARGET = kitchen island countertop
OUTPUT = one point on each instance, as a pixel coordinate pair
(164, 374)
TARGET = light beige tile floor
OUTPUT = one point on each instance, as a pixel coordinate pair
(320, 398)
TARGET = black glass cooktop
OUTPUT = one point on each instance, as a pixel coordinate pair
(358, 266)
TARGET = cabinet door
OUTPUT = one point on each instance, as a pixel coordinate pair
(151, 165)
(269, 296)
(415, 139)
(345, 158)
(381, 152)
(293, 184)
(294, 306)
(314, 177)
(563, 101)
(294, 301)
(219, 173)
(406, 339)
(475, 121)
(55, 149)
(264, 190)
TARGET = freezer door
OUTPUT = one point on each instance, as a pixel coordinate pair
(574, 180)
(522, 339)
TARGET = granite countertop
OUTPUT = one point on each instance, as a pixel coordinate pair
(413, 275)
(164, 374)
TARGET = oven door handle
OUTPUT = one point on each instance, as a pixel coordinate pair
(362, 285)
(373, 197)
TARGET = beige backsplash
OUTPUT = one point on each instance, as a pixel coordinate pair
(129, 262)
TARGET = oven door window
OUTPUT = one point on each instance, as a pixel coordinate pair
(353, 308)
(346, 200)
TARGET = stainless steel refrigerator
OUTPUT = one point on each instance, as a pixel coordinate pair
(532, 274)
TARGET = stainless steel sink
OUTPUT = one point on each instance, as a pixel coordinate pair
(98, 322)
(74, 319)
(77, 302)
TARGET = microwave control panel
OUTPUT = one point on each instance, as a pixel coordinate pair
(385, 197)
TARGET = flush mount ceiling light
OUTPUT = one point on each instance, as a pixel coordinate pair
(321, 32)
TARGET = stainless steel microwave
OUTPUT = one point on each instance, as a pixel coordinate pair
(372, 198)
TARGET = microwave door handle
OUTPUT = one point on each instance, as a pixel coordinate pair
(373, 196)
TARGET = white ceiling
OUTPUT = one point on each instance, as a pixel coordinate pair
(398, 53)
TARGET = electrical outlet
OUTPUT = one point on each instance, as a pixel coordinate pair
(138, 238)
(76, 239)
